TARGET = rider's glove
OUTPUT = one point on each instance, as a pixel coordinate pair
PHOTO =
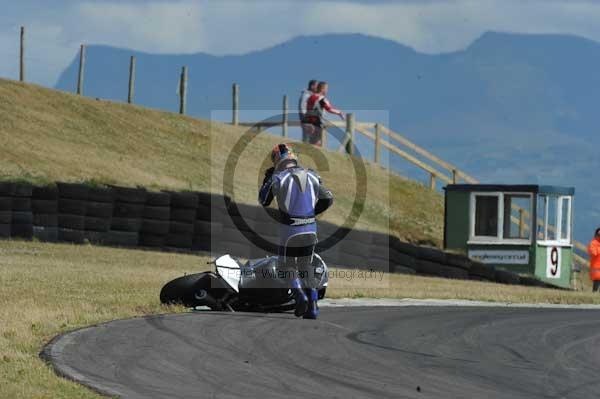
(268, 174)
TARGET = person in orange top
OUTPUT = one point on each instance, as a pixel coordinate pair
(594, 252)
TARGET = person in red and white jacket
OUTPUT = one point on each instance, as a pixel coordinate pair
(316, 106)
(302, 102)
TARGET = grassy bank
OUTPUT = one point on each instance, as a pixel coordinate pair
(51, 288)
(49, 135)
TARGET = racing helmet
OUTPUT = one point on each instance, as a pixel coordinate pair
(282, 153)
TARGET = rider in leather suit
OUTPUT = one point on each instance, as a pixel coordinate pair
(300, 197)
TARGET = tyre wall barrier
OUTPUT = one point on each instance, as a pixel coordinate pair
(198, 221)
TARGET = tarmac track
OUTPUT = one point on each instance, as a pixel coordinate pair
(360, 352)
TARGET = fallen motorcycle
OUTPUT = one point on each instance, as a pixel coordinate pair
(257, 285)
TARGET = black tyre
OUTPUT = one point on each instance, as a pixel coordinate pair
(22, 218)
(157, 213)
(350, 261)
(270, 227)
(402, 259)
(506, 277)
(381, 239)
(379, 251)
(183, 241)
(203, 212)
(72, 207)
(6, 203)
(160, 199)
(45, 193)
(403, 247)
(184, 200)
(7, 189)
(23, 190)
(181, 228)
(199, 289)
(183, 215)
(126, 224)
(122, 238)
(44, 206)
(99, 209)
(154, 241)
(130, 195)
(5, 230)
(47, 234)
(101, 194)
(46, 220)
(201, 243)
(73, 191)
(207, 228)
(96, 224)
(155, 227)
(126, 210)
(322, 292)
(70, 235)
(460, 261)
(361, 236)
(95, 237)
(431, 254)
(22, 231)
(5, 217)
(21, 204)
(73, 222)
(483, 271)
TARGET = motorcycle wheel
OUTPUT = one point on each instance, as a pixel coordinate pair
(189, 290)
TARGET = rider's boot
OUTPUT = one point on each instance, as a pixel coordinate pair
(299, 297)
(313, 307)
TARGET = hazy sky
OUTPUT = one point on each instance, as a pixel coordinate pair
(57, 27)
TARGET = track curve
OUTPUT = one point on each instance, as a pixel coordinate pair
(412, 352)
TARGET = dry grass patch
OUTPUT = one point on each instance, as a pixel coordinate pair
(50, 288)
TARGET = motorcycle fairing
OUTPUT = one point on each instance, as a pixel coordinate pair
(229, 270)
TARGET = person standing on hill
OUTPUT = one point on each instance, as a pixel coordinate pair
(594, 252)
(316, 106)
(302, 102)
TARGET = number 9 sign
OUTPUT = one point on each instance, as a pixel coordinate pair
(553, 262)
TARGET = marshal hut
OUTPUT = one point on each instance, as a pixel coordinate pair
(493, 224)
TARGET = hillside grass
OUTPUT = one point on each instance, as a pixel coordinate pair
(49, 289)
(48, 135)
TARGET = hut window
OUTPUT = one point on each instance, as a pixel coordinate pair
(517, 216)
(486, 215)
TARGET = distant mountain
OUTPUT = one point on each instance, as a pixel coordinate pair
(509, 108)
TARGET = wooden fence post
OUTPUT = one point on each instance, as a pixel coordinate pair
(284, 125)
(130, 93)
(432, 183)
(183, 90)
(350, 133)
(22, 56)
(235, 119)
(81, 70)
(377, 143)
